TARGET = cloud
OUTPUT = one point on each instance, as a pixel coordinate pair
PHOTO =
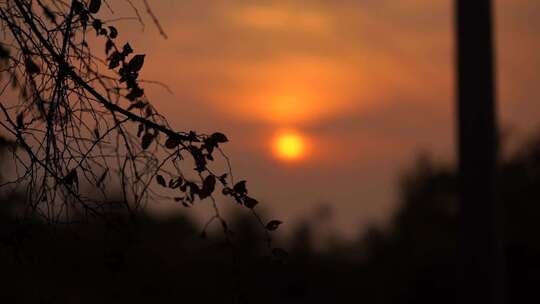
(370, 81)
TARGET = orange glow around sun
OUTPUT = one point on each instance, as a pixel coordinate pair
(289, 146)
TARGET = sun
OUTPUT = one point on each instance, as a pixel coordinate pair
(289, 146)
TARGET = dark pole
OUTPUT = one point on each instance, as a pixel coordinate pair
(481, 258)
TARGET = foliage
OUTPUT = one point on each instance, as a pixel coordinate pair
(82, 123)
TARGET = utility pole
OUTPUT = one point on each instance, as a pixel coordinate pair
(480, 244)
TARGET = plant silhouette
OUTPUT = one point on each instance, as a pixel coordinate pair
(79, 132)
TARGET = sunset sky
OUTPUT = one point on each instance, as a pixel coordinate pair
(326, 102)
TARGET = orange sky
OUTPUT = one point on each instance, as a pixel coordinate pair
(368, 83)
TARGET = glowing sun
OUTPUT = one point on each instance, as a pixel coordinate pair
(289, 146)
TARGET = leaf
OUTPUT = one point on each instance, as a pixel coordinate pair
(273, 225)
(226, 191)
(193, 188)
(147, 140)
(94, 6)
(97, 24)
(173, 142)
(77, 7)
(71, 178)
(209, 184)
(161, 180)
(250, 202)
(176, 182)
(240, 187)
(135, 93)
(115, 61)
(209, 144)
(219, 137)
(126, 50)
(198, 157)
(136, 63)
(113, 32)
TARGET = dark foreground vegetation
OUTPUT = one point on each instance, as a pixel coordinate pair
(123, 259)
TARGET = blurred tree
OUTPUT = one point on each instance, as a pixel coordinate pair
(413, 260)
(481, 255)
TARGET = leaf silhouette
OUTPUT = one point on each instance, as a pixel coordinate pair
(126, 50)
(219, 137)
(135, 93)
(176, 182)
(136, 63)
(273, 225)
(113, 32)
(173, 142)
(250, 202)
(97, 24)
(240, 187)
(71, 178)
(77, 7)
(94, 6)
(90, 86)
(147, 140)
(161, 180)
(226, 191)
(193, 188)
(208, 187)
(209, 184)
(115, 61)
